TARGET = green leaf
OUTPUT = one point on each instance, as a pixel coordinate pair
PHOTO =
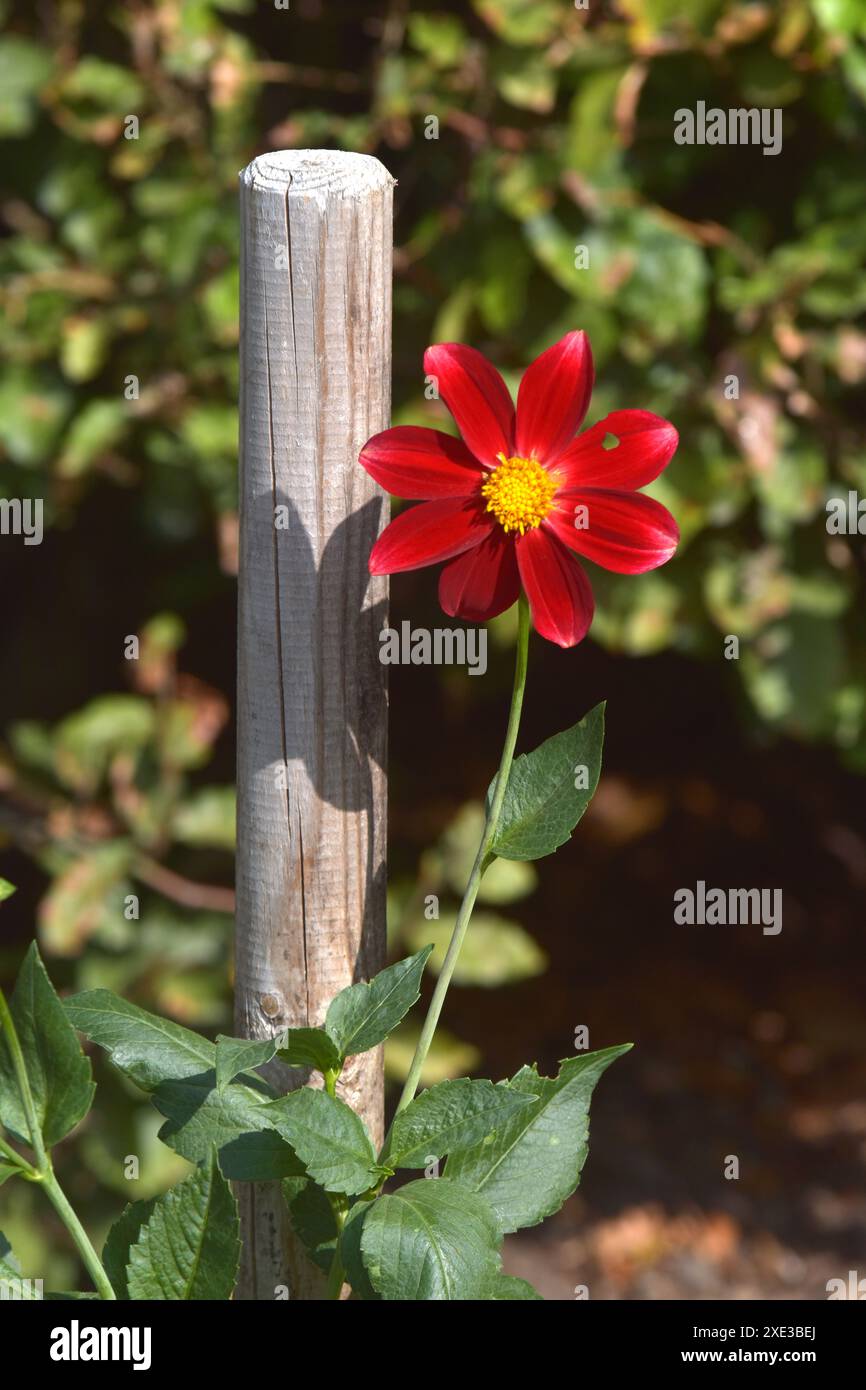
(454, 1114)
(234, 1055)
(6, 889)
(363, 1015)
(58, 1071)
(534, 1162)
(237, 1120)
(309, 1047)
(148, 1049)
(312, 1219)
(432, 1239)
(7, 1170)
(546, 796)
(124, 1234)
(189, 1248)
(350, 1251)
(329, 1139)
(508, 1287)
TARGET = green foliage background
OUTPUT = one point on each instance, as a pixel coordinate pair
(553, 130)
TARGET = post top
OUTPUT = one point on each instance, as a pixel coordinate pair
(321, 172)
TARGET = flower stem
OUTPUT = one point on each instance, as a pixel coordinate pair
(43, 1172)
(7, 1025)
(15, 1158)
(337, 1273)
(89, 1257)
(482, 859)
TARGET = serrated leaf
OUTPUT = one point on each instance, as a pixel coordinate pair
(534, 1163)
(237, 1121)
(508, 1287)
(148, 1049)
(189, 1248)
(309, 1047)
(454, 1114)
(58, 1071)
(431, 1240)
(124, 1234)
(362, 1016)
(328, 1138)
(545, 798)
(234, 1055)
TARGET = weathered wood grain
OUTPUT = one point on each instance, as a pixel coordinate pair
(315, 369)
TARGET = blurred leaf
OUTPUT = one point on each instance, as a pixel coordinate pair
(440, 36)
(84, 897)
(522, 21)
(86, 742)
(505, 881)
(526, 82)
(98, 428)
(207, 818)
(448, 1056)
(24, 67)
(496, 951)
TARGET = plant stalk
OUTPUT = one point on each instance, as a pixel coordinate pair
(91, 1261)
(482, 860)
(43, 1172)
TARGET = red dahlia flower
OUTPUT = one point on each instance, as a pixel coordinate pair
(510, 504)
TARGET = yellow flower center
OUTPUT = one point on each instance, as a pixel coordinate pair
(519, 493)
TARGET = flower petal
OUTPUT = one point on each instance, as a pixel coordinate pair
(553, 398)
(409, 461)
(477, 397)
(428, 533)
(482, 582)
(559, 593)
(647, 444)
(623, 531)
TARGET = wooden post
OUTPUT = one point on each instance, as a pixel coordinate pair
(315, 371)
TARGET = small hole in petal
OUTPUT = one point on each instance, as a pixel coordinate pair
(610, 441)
